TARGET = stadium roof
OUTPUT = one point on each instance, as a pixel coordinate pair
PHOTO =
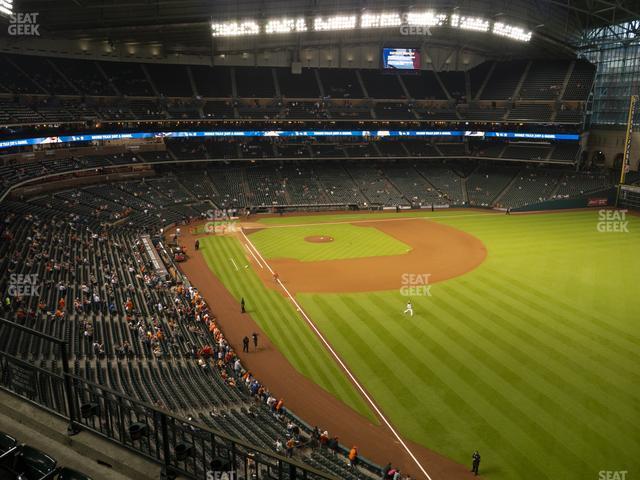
(184, 26)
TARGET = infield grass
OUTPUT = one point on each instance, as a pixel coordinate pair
(349, 241)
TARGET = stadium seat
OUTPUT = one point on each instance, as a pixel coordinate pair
(7, 442)
(70, 474)
(32, 464)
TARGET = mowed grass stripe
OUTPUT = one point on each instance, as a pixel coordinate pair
(560, 368)
(555, 335)
(279, 321)
(538, 378)
(605, 332)
(291, 334)
(555, 303)
(373, 363)
(401, 392)
(488, 376)
(594, 426)
(565, 333)
(478, 366)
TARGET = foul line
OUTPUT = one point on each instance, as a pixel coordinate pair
(234, 264)
(253, 255)
(338, 359)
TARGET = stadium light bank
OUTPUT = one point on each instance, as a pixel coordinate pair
(409, 23)
(6, 8)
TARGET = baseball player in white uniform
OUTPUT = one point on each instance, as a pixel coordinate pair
(408, 309)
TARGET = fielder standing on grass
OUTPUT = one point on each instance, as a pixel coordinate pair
(476, 462)
(408, 309)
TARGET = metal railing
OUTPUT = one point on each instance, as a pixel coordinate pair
(180, 446)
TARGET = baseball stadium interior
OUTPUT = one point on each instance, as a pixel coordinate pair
(135, 134)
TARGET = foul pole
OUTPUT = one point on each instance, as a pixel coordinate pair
(633, 102)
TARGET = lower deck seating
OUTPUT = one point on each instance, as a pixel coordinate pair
(129, 329)
(487, 182)
(532, 185)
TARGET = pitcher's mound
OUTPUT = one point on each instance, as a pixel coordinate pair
(318, 239)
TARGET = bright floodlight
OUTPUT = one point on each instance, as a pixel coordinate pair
(510, 31)
(427, 18)
(6, 7)
(478, 24)
(380, 20)
(337, 22)
(285, 25)
(235, 29)
(419, 18)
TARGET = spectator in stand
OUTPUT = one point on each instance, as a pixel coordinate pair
(278, 446)
(88, 334)
(334, 445)
(271, 403)
(315, 437)
(324, 439)
(291, 443)
(353, 457)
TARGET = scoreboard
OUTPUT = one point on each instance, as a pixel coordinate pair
(401, 59)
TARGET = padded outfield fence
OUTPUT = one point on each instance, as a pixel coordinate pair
(180, 446)
(629, 196)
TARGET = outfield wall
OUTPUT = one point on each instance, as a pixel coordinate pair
(601, 198)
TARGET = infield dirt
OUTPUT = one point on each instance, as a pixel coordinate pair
(442, 251)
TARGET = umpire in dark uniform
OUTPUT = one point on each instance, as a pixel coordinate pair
(476, 462)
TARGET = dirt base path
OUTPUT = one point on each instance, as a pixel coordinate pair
(439, 251)
(302, 396)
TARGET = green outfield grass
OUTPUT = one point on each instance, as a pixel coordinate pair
(533, 358)
(279, 320)
(349, 241)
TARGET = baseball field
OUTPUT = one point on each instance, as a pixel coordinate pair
(524, 343)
